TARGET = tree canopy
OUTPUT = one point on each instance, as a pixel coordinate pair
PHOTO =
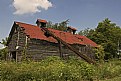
(4, 51)
(108, 35)
(58, 26)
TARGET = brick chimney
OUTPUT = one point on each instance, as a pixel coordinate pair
(41, 23)
(71, 30)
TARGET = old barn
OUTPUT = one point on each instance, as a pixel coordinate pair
(26, 40)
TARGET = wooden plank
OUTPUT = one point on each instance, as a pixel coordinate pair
(60, 49)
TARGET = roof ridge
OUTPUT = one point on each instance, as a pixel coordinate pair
(17, 22)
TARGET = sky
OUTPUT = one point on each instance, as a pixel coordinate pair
(81, 13)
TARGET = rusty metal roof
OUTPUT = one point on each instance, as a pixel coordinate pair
(36, 32)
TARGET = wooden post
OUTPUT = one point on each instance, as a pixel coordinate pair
(60, 49)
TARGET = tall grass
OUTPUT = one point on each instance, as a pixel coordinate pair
(55, 69)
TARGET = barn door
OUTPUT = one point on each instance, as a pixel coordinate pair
(13, 54)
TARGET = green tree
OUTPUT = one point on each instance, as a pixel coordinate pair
(99, 53)
(58, 26)
(107, 34)
(4, 41)
(85, 32)
(4, 51)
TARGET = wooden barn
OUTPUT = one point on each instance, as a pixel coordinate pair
(29, 41)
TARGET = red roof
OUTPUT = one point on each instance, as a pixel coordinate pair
(37, 33)
(86, 40)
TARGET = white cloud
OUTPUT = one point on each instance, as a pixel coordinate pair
(30, 6)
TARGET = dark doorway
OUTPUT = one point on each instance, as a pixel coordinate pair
(13, 55)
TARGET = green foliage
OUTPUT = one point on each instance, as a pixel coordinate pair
(55, 69)
(99, 53)
(109, 70)
(50, 69)
(85, 32)
(108, 35)
(4, 41)
(58, 26)
(4, 51)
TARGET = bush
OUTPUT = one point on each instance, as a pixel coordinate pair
(55, 69)
(109, 70)
(3, 53)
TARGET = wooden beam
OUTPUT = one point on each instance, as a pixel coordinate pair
(60, 49)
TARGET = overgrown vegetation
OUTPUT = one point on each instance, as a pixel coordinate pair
(99, 53)
(55, 69)
(4, 51)
(108, 35)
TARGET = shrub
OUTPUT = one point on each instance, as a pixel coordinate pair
(55, 69)
(108, 70)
